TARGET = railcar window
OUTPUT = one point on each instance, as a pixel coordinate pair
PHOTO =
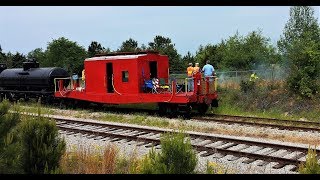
(125, 76)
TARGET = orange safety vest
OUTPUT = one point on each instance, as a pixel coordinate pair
(83, 75)
(189, 71)
(196, 69)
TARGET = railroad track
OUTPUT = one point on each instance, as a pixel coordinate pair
(204, 143)
(292, 125)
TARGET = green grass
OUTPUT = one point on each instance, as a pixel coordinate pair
(230, 109)
(113, 118)
(236, 110)
(135, 119)
(217, 168)
(311, 166)
(262, 103)
(34, 108)
(175, 157)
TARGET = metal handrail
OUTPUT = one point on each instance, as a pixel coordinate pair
(55, 82)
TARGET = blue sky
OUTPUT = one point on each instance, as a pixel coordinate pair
(24, 28)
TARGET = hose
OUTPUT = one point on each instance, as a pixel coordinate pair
(114, 87)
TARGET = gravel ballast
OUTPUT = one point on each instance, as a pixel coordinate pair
(226, 162)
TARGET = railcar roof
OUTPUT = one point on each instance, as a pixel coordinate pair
(33, 69)
(118, 57)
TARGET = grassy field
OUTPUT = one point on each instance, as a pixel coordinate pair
(267, 100)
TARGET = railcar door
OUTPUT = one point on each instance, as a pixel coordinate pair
(109, 77)
(153, 69)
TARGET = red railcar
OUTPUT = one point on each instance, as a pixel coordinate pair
(142, 77)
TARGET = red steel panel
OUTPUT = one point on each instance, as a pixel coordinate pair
(138, 68)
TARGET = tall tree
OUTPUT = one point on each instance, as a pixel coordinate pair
(259, 50)
(233, 53)
(96, 48)
(17, 60)
(1, 53)
(301, 48)
(129, 45)
(8, 59)
(2, 56)
(165, 46)
(240, 52)
(38, 54)
(187, 59)
(143, 47)
(208, 52)
(66, 54)
(301, 20)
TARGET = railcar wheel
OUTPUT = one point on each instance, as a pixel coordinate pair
(202, 108)
(187, 112)
(26, 99)
(82, 104)
(172, 110)
(47, 100)
(62, 104)
(50, 100)
(2, 96)
(43, 100)
(215, 103)
(72, 104)
(11, 97)
(162, 109)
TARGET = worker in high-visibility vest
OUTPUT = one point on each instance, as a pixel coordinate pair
(190, 71)
(196, 68)
(253, 77)
(84, 78)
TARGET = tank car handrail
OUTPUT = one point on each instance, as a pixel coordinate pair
(55, 84)
(215, 82)
(65, 91)
(173, 84)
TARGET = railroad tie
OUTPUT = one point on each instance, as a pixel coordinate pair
(279, 165)
(263, 163)
(208, 153)
(228, 146)
(248, 161)
(233, 158)
(298, 156)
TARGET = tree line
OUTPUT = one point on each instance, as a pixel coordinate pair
(297, 51)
